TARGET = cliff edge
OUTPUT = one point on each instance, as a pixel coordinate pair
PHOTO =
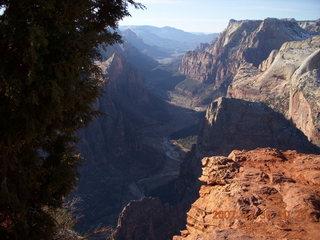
(259, 194)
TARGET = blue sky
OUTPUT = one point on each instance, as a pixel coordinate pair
(214, 15)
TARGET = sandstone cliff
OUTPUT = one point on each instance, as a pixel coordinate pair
(259, 61)
(237, 124)
(242, 42)
(288, 81)
(145, 219)
(229, 124)
(259, 194)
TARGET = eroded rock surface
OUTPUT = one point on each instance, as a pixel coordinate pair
(210, 71)
(144, 219)
(237, 124)
(312, 26)
(259, 194)
(272, 61)
(288, 81)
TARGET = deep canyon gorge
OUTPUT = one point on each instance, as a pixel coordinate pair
(223, 122)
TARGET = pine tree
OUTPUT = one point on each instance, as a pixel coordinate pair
(48, 82)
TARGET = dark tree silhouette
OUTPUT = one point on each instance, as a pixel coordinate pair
(48, 82)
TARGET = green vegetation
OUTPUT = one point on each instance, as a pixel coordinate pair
(48, 82)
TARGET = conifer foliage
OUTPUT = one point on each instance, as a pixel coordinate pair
(48, 82)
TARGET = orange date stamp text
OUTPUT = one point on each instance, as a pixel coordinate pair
(298, 215)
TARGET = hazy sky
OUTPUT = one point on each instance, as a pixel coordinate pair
(214, 15)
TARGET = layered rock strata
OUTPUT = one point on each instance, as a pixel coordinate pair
(312, 26)
(273, 61)
(259, 194)
(237, 124)
(229, 124)
(288, 81)
(245, 41)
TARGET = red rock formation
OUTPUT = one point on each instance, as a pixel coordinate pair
(250, 41)
(242, 42)
(266, 61)
(259, 194)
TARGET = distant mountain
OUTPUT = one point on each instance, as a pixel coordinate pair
(152, 51)
(209, 72)
(172, 40)
(175, 34)
(312, 26)
(272, 61)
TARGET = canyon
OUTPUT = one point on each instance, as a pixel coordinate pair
(240, 113)
(272, 61)
(126, 147)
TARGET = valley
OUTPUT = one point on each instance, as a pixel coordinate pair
(129, 152)
(160, 120)
(167, 108)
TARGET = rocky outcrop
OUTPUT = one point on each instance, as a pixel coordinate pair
(259, 194)
(144, 219)
(126, 159)
(237, 124)
(197, 65)
(242, 42)
(229, 124)
(259, 61)
(311, 26)
(288, 81)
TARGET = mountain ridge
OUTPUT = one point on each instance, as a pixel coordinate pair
(169, 39)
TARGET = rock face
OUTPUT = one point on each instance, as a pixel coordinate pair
(288, 81)
(312, 26)
(237, 124)
(259, 194)
(259, 61)
(272, 61)
(144, 219)
(242, 42)
(115, 155)
(126, 150)
(229, 124)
